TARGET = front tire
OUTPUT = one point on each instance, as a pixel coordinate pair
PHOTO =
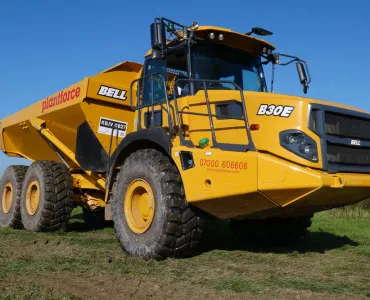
(10, 193)
(151, 216)
(47, 197)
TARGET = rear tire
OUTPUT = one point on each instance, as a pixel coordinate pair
(47, 197)
(272, 231)
(174, 229)
(10, 193)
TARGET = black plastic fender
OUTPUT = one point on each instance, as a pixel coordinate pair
(156, 138)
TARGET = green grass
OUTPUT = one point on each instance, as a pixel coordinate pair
(333, 260)
(359, 210)
(34, 291)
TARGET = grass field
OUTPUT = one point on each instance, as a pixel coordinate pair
(333, 262)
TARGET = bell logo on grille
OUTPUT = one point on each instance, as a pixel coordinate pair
(356, 142)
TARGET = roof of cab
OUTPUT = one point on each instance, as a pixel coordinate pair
(232, 38)
(237, 37)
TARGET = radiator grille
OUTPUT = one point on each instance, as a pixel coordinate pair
(343, 155)
(347, 126)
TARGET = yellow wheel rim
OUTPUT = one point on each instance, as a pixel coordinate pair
(33, 197)
(7, 199)
(139, 206)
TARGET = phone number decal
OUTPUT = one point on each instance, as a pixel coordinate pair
(225, 164)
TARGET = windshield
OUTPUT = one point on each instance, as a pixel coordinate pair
(225, 64)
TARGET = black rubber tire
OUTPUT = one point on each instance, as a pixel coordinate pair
(56, 197)
(94, 220)
(15, 176)
(272, 231)
(175, 230)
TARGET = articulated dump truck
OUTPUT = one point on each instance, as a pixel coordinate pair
(194, 133)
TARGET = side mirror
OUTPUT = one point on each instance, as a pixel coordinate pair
(158, 40)
(302, 76)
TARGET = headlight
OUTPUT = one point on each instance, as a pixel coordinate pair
(294, 138)
(300, 144)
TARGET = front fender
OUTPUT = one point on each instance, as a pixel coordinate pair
(156, 138)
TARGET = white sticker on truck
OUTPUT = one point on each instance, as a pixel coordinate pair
(356, 142)
(107, 125)
(112, 92)
(275, 110)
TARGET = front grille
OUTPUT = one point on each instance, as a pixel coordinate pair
(347, 126)
(345, 138)
(346, 155)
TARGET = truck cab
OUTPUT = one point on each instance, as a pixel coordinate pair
(206, 87)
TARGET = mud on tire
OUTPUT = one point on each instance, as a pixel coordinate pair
(51, 182)
(10, 193)
(272, 231)
(175, 229)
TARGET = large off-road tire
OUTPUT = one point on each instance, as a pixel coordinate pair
(272, 231)
(151, 216)
(10, 193)
(47, 197)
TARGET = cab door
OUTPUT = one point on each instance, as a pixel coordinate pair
(159, 78)
(153, 94)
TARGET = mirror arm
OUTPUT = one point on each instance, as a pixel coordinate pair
(272, 77)
(287, 55)
(289, 62)
(276, 62)
(295, 58)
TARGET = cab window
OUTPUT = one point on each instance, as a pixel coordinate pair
(154, 67)
(173, 69)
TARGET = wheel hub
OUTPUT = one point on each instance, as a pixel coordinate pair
(139, 206)
(33, 197)
(7, 198)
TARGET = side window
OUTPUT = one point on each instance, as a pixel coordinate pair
(175, 68)
(229, 109)
(177, 71)
(158, 93)
(228, 85)
(251, 80)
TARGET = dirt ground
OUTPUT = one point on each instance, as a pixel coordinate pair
(333, 262)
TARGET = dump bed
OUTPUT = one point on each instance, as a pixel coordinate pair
(89, 106)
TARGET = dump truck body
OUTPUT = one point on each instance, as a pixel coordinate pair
(240, 153)
(226, 184)
(66, 110)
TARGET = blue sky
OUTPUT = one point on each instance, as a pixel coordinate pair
(48, 45)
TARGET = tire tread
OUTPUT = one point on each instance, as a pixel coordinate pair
(183, 228)
(58, 196)
(18, 173)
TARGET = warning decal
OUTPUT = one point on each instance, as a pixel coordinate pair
(107, 125)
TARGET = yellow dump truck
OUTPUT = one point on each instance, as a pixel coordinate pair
(193, 133)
